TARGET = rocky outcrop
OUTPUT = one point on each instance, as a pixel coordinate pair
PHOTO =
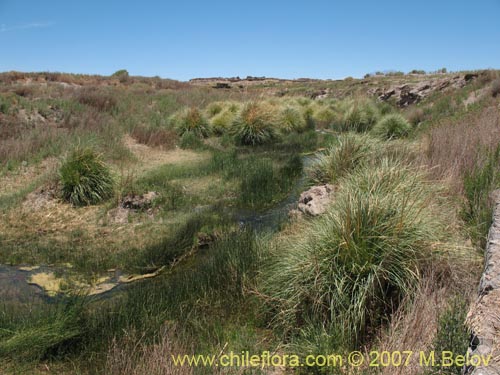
(314, 201)
(484, 316)
(410, 93)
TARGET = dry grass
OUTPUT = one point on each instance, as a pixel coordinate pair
(149, 158)
(152, 137)
(415, 327)
(13, 181)
(454, 147)
(132, 357)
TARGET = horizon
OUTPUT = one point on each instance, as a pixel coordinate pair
(320, 40)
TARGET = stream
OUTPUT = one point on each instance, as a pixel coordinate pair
(18, 284)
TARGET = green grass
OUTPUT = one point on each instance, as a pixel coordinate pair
(192, 121)
(478, 184)
(452, 334)
(85, 179)
(391, 127)
(255, 124)
(42, 331)
(347, 270)
(346, 154)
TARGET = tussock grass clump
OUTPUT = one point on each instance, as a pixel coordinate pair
(214, 108)
(360, 116)
(291, 119)
(324, 116)
(392, 126)
(85, 178)
(190, 120)
(349, 152)
(222, 121)
(353, 266)
(255, 124)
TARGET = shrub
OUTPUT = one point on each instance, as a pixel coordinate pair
(190, 121)
(122, 75)
(351, 267)
(255, 124)
(392, 126)
(85, 178)
(347, 154)
(495, 88)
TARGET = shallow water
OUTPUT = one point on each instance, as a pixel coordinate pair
(14, 281)
(14, 286)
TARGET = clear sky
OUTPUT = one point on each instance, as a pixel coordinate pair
(274, 38)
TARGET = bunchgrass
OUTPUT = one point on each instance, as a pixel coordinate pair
(350, 268)
(255, 124)
(190, 120)
(342, 157)
(392, 126)
(85, 178)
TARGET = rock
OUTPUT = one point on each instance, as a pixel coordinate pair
(222, 85)
(315, 200)
(408, 94)
(139, 202)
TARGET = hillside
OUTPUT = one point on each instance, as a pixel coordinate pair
(143, 217)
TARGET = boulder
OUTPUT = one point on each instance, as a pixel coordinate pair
(314, 201)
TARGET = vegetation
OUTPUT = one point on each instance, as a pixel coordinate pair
(223, 266)
(190, 121)
(349, 152)
(391, 127)
(255, 124)
(349, 268)
(85, 179)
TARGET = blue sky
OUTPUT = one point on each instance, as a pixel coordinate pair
(288, 39)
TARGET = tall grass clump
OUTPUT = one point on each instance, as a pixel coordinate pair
(360, 116)
(349, 269)
(349, 152)
(85, 178)
(190, 120)
(222, 121)
(392, 126)
(255, 124)
(291, 119)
